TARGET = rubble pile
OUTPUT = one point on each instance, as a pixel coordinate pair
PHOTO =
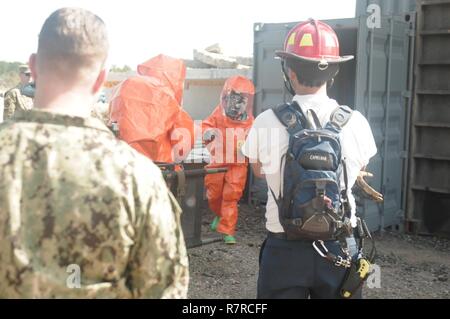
(213, 57)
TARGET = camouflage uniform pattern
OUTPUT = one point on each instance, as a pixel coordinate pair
(70, 193)
(15, 101)
(1, 108)
(101, 111)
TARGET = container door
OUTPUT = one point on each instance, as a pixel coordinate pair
(429, 187)
(383, 56)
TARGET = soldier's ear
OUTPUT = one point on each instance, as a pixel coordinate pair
(32, 65)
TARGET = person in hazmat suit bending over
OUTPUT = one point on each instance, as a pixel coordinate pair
(146, 111)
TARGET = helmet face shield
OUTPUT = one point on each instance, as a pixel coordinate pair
(237, 106)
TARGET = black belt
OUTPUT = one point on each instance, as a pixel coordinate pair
(283, 236)
(277, 235)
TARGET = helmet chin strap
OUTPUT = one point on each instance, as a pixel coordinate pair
(287, 80)
(330, 83)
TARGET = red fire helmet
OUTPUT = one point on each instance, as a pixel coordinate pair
(313, 41)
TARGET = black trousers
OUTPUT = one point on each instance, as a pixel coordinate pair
(294, 270)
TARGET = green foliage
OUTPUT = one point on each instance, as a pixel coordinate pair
(115, 68)
(9, 73)
(6, 67)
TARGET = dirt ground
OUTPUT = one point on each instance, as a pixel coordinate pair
(411, 266)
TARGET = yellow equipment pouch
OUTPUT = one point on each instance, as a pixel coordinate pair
(355, 277)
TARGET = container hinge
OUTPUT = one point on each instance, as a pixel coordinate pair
(411, 32)
(258, 27)
(407, 94)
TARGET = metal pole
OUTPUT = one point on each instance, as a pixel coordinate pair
(386, 123)
(369, 82)
(369, 89)
(412, 41)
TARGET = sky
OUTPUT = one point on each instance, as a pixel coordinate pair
(139, 30)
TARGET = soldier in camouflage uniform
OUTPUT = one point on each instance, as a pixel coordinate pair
(82, 215)
(14, 100)
(1, 107)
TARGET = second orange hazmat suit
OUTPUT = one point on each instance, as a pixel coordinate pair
(147, 110)
(225, 190)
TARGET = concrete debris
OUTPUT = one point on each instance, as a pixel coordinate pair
(212, 57)
(243, 67)
(244, 60)
(215, 48)
(195, 64)
(215, 59)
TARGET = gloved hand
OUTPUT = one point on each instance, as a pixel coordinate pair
(367, 190)
(209, 136)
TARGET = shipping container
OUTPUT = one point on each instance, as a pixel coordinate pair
(428, 209)
(387, 7)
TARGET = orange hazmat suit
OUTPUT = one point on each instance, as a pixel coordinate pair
(147, 109)
(225, 190)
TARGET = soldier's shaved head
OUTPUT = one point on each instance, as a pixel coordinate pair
(69, 67)
(72, 41)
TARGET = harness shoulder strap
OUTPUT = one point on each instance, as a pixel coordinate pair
(291, 116)
(315, 118)
(340, 116)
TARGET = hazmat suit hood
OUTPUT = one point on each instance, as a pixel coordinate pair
(170, 71)
(146, 108)
(241, 86)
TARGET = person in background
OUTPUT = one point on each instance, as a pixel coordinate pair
(224, 132)
(14, 98)
(147, 112)
(1, 107)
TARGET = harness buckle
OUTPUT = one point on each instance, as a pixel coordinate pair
(341, 262)
(322, 246)
(338, 261)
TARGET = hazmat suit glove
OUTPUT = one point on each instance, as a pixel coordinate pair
(209, 136)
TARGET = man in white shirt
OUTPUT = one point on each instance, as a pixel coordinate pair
(293, 269)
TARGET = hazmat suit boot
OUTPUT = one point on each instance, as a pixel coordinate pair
(229, 240)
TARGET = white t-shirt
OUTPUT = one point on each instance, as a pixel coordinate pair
(268, 141)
